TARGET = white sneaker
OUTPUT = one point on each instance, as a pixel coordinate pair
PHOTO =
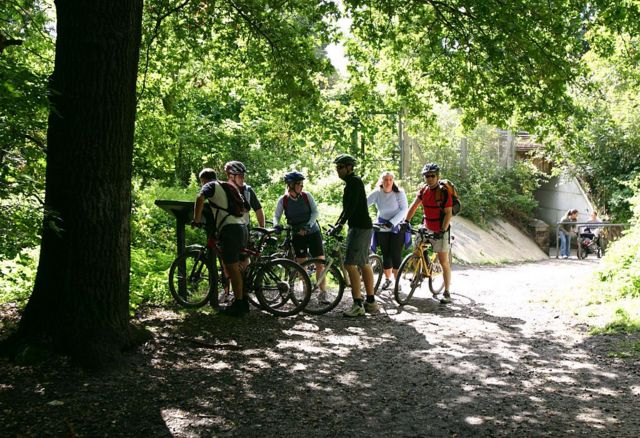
(355, 310)
(323, 297)
(372, 308)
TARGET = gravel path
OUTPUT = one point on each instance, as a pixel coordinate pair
(498, 361)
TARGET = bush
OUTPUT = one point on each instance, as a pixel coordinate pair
(620, 271)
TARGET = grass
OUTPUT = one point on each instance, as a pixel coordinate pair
(605, 312)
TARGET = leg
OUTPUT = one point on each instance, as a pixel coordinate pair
(354, 278)
(563, 244)
(235, 276)
(443, 257)
(384, 241)
(367, 278)
(397, 243)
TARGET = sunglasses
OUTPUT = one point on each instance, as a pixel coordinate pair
(340, 166)
(430, 175)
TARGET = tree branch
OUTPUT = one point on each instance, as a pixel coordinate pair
(154, 35)
(6, 42)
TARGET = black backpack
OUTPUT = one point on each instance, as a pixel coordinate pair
(237, 205)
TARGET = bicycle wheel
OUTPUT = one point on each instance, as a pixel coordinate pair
(282, 287)
(376, 266)
(334, 286)
(409, 279)
(436, 279)
(190, 280)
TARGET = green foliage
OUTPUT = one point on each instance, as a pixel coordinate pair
(622, 324)
(487, 189)
(620, 269)
(24, 71)
(17, 276)
(600, 142)
(153, 246)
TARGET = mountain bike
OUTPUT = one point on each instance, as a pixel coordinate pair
(422, 263)
(281, 286)
(329, 285)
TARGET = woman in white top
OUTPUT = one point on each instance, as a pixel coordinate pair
(392, 206)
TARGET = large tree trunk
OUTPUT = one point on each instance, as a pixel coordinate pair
(79, 304)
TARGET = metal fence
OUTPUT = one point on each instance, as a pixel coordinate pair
(605, 238)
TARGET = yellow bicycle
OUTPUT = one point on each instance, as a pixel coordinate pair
(422, 263)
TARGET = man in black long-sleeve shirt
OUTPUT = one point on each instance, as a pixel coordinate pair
(355, 213)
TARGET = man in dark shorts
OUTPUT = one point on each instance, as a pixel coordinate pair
(355, 213)
(231, 231)
(236, 172)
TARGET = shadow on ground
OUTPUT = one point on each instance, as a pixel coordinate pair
(421, 370)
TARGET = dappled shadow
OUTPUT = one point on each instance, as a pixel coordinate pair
(418, 370)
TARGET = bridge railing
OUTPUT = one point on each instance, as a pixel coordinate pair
(605, 237)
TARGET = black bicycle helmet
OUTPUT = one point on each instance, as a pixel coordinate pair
(235, 168)
(430, 167)
(345, 159)
(293, 177)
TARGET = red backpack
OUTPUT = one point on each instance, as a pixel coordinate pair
(285, 201)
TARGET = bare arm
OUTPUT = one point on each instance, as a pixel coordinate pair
(260, 217)
(414, 206)
(448, 214)
(197, 209)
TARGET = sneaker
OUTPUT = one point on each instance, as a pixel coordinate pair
(323, 297)
(372, 308)
(227, 297)
(446, 298)
(236, 309)
(386, 284)
(355, 310)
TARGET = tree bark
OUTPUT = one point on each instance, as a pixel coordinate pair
(80, 300)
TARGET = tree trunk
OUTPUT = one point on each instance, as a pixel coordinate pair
(80, 300)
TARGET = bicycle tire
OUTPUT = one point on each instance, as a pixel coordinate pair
(436, 279)
(409, 279)
(376, 266)
(582, 253)
(334, 287)
(282, 287)
(192, 287)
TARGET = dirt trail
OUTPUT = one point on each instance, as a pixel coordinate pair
(495, 362)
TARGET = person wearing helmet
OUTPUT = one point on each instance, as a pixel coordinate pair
(301, 213)
(232, 232)
(236, 171)
(437, 218)
(355, 213)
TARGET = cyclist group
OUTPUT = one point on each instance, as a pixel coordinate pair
(301, 213)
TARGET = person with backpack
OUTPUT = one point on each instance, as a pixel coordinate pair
(392, 206)
(236, 171)
(437, 200)
(355, 212)
(301, 213)
(229, 226)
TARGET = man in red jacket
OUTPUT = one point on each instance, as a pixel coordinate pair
(437, 205)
